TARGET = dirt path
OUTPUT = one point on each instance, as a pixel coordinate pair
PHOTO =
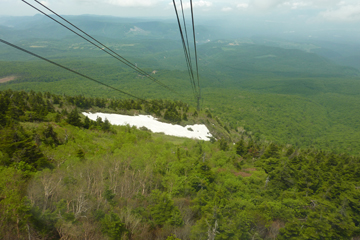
(7, 79)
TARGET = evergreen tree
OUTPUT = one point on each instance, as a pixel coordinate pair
(87, 122)
(106, 125)
(20, 148)
(172, 114)
(50, 136)
(272, 151)
(14, 112)
(80, 154)
(163, 210)
(99, 122)
(74, 118)
(223, 144)
(240, 148)
(57, 118)
(184, 117)
(113, 226)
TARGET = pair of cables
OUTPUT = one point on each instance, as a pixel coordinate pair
(70, 70)
(194, 77)
(94, 42)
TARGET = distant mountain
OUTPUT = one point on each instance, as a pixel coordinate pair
(40, 26)
(242, 60)
(340, 53)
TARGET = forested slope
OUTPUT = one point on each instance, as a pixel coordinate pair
(290, 96)
(64, 176)
(308, 112)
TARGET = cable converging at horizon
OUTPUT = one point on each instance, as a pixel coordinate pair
(71, 70)
(195, 83)
(102, 46)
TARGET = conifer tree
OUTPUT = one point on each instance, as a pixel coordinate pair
(87, 122)
(240, 148)
(50, 136)
(272, 151)
(74, 118)
(106, 125)
(223, 145)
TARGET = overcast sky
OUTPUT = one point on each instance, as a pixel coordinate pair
(309, 10)
(324, 18)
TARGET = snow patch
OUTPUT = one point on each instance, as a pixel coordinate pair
(199, 131)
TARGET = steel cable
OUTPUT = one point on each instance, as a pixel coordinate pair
(68, 69)
(118, 57)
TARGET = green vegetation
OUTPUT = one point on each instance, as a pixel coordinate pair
(64, 178)
(294, 98)
(283, 162)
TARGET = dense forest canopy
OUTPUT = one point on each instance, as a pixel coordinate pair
(65, 176)
(283, 162)
(285, 91)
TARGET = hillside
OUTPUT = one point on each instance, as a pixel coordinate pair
(277, 157)
(63, 176)
(283, 95)
(243, 60)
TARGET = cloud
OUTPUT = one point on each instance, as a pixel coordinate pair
(120, 3)
(327, 3)
(201, 4)
(46, 3)
(266, 4)
(242, 5)
(296, 5)
(226, 9)
(345, 13)
(132, 3)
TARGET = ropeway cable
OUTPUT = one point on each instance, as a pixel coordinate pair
(196, 57)
(192, 82)
(118, 57)
(188, 58)
(68, 69)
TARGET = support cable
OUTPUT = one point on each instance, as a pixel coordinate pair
(187, 39)
(68, 69)
(118, 57)
(196, 57)
(192, 82)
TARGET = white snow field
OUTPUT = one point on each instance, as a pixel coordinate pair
(199, 131)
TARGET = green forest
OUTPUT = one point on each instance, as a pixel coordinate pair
(313, 111)
(63, 176)
(283, 162)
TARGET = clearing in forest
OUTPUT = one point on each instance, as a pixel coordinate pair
(7, 79)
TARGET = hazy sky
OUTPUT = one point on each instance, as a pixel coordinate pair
(346, 11)
(337, 20)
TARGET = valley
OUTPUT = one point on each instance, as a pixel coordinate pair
(273, 153)
(297, 97)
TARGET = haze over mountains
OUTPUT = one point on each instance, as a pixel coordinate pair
(263, 68)
(40, 27)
